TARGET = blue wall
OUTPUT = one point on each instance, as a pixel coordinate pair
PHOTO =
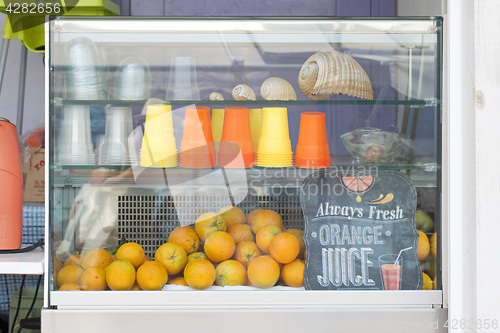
(258, 8)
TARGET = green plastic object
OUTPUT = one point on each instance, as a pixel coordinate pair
(27, 298)
(34, 38)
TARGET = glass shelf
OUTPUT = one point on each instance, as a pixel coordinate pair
(411, 103)
(429, 167)
(422, 175)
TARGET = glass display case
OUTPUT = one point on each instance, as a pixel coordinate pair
(208, 133)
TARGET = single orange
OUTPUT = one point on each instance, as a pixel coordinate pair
(263, 272)
(93, 278)
(231, 273)
(57, 264)
(427, 283)
(200, 274)
(120, 275)
(97, 258)
(219, 246)
(172, 256)
(151, 275)
(186, 237)
(207, 223)
(196, 255)
(265, 235)
(433, 243)
(284, 248)
(74, 259)
(179, 280)
(251, 216)
(241, 233)
(70, 273)
(423, 246)
(246, 252)
(299, 234)
(232, 215)
(69, 286)
(293, 273)
(266, 217)
(132, 252)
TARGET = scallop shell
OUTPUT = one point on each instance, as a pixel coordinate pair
(277, 89)
(242, 92)
(326, 73)
(215, 96)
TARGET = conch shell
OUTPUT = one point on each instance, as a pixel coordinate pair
(215, 96)
(277, 89)
(326, 73)
(242, 92)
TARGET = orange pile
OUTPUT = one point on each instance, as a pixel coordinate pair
(225, 248)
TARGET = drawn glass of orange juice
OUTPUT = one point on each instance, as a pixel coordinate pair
(391, 271)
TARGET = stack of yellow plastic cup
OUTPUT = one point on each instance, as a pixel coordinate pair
(217, 124)
(274, 149)
(255, 123)
(158, 144)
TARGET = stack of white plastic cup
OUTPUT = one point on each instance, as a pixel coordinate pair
(85, 72)
(114, 148)
(133, 80)
(75, 145)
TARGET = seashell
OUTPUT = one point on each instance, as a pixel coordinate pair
(242, 92)
(331, 72)
(277, 89)
(215, 96)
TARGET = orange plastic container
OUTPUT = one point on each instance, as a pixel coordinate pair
(11, 195)
(312, 149)
(197, 145)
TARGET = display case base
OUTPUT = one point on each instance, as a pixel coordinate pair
(223, 319)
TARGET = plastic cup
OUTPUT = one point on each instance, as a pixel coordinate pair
(85, 74)
(217, 124)
(255, 124)
(182, 82)
(133, 80)
(274, 160)
(236, 139)
(312, 164)
(312, 147)
(76, 146)
(151, 159)
(158, 144)
(114, 148)
(236, 161)
(273, 164)
(197, 145)
(274, 134)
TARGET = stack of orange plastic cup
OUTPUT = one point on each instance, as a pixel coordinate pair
(158, 144)
(236, 147)
(197, 145)
(275, 148)
(312, 150)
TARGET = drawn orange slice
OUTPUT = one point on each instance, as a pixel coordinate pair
(358, 184)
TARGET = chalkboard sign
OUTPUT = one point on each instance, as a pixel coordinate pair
(360, 231)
